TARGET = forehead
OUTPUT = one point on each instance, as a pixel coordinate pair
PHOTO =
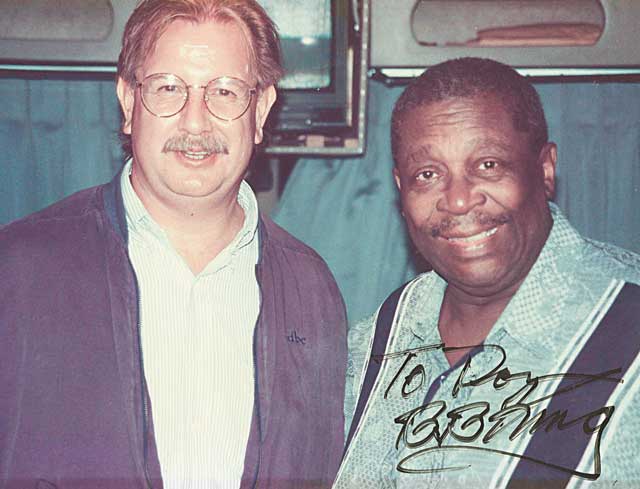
(462, 123)
(208, 49)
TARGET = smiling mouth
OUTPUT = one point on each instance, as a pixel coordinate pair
(474, 237)
(473, 242)
(196, 155)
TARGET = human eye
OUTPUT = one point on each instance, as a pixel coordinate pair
(489, 165)
(168, 88)
(426, 176)
(165, 87)
(225, 93)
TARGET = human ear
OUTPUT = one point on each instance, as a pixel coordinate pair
(126, 98)
(547, 160)
(396, 177)
(266, 99)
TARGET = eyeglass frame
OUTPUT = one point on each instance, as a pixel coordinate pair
(252, 92)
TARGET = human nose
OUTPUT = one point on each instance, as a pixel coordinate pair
(194, 116)
(460, 196)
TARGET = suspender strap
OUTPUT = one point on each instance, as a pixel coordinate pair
(381, 335)
(614, 343)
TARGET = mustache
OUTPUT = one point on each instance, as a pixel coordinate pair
(477, 218)
(208, 142)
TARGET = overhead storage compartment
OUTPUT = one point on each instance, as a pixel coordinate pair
(546, 36)
(86, 32)
(507, 23)
(91, 20)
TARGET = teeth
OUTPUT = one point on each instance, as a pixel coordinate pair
(196, 155)
(475, 237)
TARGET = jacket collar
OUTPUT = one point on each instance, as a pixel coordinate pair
(114, 206)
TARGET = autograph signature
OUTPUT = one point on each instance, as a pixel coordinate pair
(473, 426)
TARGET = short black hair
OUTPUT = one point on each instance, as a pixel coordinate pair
(472, 77)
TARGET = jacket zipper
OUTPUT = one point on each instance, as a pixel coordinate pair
(143, 390)
(114, 206)
(256, 385)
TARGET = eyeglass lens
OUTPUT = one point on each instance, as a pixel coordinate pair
(165, 95)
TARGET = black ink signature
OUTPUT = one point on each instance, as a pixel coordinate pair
(427, 427)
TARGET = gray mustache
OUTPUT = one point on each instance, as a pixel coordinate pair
(482, 219)
(188, 142)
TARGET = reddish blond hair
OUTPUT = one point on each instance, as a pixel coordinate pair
(152, 17)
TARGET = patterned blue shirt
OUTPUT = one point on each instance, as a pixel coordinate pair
(403, 441)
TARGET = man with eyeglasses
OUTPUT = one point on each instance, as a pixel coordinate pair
(158, 331)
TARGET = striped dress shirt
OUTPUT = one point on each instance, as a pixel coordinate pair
(197, 337)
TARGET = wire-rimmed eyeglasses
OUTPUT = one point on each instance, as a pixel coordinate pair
(165, 94)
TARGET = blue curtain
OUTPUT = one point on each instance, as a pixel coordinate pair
(597, 130)
(347, 209)
(58, 136)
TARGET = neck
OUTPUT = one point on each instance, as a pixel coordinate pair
(196, 217)
(198, 228)
(199, 243)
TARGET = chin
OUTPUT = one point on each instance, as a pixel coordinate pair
(196, 193)
(488, 275)
(192, 187)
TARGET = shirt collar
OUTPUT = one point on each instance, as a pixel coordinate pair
(423, 312)
(534, 311)
(249, 203)
(135, 212)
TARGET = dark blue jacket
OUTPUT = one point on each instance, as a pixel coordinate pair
(74, 408)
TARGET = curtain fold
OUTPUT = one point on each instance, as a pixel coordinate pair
(57, 137)
(347, 209)
(597, 130)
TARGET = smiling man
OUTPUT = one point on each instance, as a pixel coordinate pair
(147, 324)
(471, 390)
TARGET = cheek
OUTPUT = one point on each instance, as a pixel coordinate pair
(511, 195)
(241, 137)
(419, 215)
(149, 130)
(418, 207)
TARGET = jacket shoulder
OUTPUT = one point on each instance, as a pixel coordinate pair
(299, 262)
(50, 225)
(75, 205)
(276, 236)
